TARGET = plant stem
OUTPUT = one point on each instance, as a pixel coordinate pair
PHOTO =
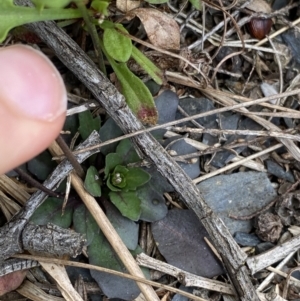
(63, 145)
(94, 34)
(35, 183)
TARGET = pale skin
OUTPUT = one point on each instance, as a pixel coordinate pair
(33, 102)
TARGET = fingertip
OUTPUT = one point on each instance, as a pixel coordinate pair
(21, 140)
(30, 84)
(33, 102)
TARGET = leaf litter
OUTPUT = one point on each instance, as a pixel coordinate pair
(238, 192)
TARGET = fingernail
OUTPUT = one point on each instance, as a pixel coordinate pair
(30, 85)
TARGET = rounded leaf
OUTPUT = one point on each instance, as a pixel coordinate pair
(51, 211)
(128, 204)
(136, 177)
(117, 45)
(111, 161)
(92, 182)
(100, 6)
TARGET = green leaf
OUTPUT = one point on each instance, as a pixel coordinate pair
(127, 229)
(136, 177)
(85, 224)
(71, 125)
(101, 253)
(107, 24)
(126, 150)
(12, 16)
(40, 4)
(137, 95)
(92, 182)
(100, 6)
(41, 166)
(197, 4)
(117, 45)
(121, 169)
(110, 185)
(88, 124)
(128, 204)
(109, 130)
(51, 212)
(120, 173)
(117, 179)
(156, 74)
(153, 204)
(111, 161)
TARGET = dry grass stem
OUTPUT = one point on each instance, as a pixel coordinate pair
(236, 164)
(105, 270)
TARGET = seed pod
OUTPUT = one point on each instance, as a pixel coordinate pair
(259, 27)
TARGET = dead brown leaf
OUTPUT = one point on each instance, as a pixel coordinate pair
(162, 30)
(127, 5)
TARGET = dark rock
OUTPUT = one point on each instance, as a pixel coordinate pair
(179, 297)
(278, 4)
(74, 272)
(246, 239)
(153, 87)
(238, 194)
(180, 239)
(263, 247)
(249, 124)
(166, 104)
(291, 38)
(194, 106)
(276, 170)
(181, 147)
(108, 131)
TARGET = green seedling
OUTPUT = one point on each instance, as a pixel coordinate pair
(12, 16)
(92, 182)
(123, 182)
(116, 45)
(118, 48)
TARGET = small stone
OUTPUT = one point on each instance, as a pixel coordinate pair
(239, 194)
(263, 247)
(291, 39)
(276, 170)
(166, 105)
(194, 106)
(246, 239)
(181, 147)
(180, 239)
(179, 297)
